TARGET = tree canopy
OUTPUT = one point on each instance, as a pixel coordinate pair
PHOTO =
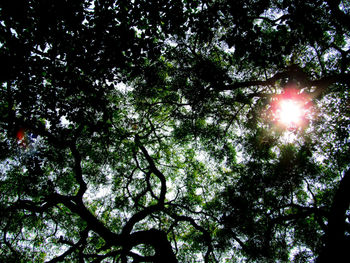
(150, 131)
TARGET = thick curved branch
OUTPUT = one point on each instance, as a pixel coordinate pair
(154, 170)
(293, 72)
(206, 235)
(82, 241)
(300, 213)
(338, 14)
(78, 171)
(149, 187)
(77, 206)
(151, 209)
(32, 206)
(138, 217)
(297, 74)
(158, 240)
(155, 238)
(337, 245)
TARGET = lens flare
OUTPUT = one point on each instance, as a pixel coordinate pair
(22, 137)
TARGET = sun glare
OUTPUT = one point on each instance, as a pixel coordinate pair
(290, 109)
(290, 112)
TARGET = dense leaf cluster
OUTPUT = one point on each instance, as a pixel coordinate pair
(141, 131)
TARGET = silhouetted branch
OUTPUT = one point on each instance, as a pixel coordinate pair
(206, 235)
(336, 245)
(320, 84)
(78, 171)
(77, 206)
(83, 237)
(154, 170)
(158, 240)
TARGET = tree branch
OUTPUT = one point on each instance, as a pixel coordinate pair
(154, 170)
(78, 171)
(83, 237)
(157, 239)
(153, 208)
(94, 224)
(206, 234)
(338, 14)
(47, 202)
(336, 245)
(297, 74)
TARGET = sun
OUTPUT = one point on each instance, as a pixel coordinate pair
(290, 109)
(290, 113)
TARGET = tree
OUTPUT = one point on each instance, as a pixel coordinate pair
(146, 131)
